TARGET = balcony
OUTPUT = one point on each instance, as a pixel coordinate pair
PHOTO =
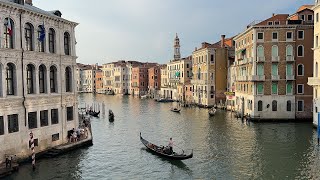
(314, 81)
(275, 77)
(289, 58)
(257, 78)
(260, 59)
(242, 78)
(275, 59)
(203, 82)
(290, 77)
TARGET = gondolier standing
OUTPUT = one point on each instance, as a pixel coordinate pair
(171, 145)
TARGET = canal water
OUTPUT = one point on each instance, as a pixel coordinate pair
(224, 147)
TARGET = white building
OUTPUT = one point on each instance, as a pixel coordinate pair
(315, 80)
(37, 78)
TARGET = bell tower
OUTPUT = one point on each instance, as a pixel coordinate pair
(176, 48)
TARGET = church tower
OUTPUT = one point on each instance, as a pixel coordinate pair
(177, 48)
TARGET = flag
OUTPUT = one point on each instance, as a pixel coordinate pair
(9, 28)
(42, 34)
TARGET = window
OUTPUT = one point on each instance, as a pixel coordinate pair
(42, 79)
(260, 36)
(44, 118)
(30, 79)
(300, 70)
(289, 35)
(310, 17)
(289, 50)
(260, 89)
(300, 34)
(276, 22)
(260, 51)
(55, 137)
(317, 41)
(300, 51)
(300, 106)
(270, 23)
(8, 33)
(302, 17)
(300, 89)
(274, 51)
(66, 43)
(1, 126)
(274, 69)
(274, 105)
(68, 77)
(274, 88)
(260, 105)
(54, 116)
(28, 30)
(211, 58)
(13, 123)
(288, 105)
(32, 120)
(41, 38)
(289, 88)
(274, 36)
(70, 113)
(317, 17)
(289, 70)
(53, 79)
(10, 78)
(51, 41)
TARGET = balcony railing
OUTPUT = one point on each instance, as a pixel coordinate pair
(257, 78)
(289, 58)
(260, 59)
(290, 77)
(199, 82)
(275, 58)
(314, 81)
(242, 78)
(275, 77)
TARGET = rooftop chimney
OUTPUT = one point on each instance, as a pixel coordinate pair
(273, 14)
(28, 2)
(222, 40)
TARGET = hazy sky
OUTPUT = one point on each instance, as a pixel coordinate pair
(143, 30)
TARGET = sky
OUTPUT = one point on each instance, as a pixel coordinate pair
(144, 30)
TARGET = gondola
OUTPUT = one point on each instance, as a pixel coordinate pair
(111, 116)
(161, 152)
(175, 110)
(212, 112)
(94, 114)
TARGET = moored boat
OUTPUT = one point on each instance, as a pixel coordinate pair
(161, 151)
(212, 111)
(175, 109)
(93, 113)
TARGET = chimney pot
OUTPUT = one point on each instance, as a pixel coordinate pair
(222, 40)
(273, 14)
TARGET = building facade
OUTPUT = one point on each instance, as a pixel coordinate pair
(154, 81)
(38, 91)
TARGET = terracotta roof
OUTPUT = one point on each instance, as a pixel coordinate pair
(303, 7)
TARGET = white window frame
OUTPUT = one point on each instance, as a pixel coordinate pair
(260, 40)
(298, 105)
(302, 50)
(302, 35)
(298, 88)
(302, 70)
(277, 36)
(270, 23)
(277, 23)
(291, 39)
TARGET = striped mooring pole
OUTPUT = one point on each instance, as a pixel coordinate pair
(33, 156)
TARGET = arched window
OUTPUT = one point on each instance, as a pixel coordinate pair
(53, 79)
(68, 76)
(288, 105)
(260, 105)
(274, 51)
(260, 50)
(41, 38)
(10, 78)
(8, 33)
(30, 78)
(300, 51)
(42, 79)
(66, 43)
(274, 105)
(28, 30)
(300, 70)
(289, 50)
(52, 37)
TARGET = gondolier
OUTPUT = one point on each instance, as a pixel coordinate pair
(171, 145)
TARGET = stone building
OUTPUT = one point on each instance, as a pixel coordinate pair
(38, 91)
(154, 84)
(273, 61)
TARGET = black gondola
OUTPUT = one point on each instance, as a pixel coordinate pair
(175, 110)
(94, 114)
(111, 116)
(162, 152)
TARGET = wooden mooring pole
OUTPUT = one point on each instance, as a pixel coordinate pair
(33, 156)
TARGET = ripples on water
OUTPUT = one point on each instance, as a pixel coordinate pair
(224, 147)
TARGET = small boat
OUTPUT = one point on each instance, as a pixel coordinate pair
(109, 92)
(212, 111)
(93, 113)
(175, 109)
(111, 116)
(144, 97)
(161, 152)
(164, 100)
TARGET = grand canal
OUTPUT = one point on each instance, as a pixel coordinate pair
(224, 147)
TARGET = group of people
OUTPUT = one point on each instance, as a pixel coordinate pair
(75, 135)
(168, 149)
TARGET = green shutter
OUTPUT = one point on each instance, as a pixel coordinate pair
(274, 88)
(260, 88)
(274, 69)
(274, 51)
(260, 51)
(260, 70)
(289, 87)
(289, 69)
(289, 50)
